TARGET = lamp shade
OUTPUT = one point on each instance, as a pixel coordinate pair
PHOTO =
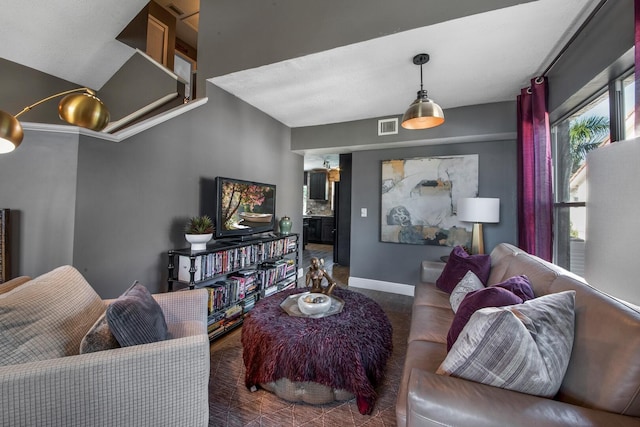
(11, 132)
(84, 110)
(479, 209)
(423, 113)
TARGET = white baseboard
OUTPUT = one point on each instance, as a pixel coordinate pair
(379, 285)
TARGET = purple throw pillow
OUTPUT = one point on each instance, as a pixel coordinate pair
(519, 285)
(457, 266)
(492, 296)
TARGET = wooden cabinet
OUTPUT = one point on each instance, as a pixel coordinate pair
(320, 229)
(315, 230)
(318, 185)
(327, 230)
(236, 275)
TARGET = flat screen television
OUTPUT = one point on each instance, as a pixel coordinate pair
(244, 208)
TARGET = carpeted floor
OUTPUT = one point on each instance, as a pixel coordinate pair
(231, 404)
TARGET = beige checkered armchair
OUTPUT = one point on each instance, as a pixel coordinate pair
(45, 381)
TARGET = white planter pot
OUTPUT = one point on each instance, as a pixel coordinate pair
(198, 241)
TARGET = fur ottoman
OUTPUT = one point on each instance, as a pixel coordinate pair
(318, 360)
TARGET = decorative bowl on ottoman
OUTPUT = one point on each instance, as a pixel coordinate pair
(314, 303)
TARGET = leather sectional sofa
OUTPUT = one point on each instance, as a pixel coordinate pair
(601, 386)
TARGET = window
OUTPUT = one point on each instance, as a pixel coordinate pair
(573, 138)
(608, 117)
(629, 88)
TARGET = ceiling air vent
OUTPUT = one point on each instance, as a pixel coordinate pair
(387, 126)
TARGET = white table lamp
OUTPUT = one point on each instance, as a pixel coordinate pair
(478, 210)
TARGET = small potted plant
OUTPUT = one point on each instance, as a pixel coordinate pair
(198, 231)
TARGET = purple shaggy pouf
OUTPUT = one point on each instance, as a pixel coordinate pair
(348, 350)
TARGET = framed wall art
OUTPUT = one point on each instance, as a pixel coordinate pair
(419, 198)
(5, 270)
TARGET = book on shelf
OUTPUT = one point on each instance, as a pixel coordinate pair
(270, 290)
(216, 333)
(291, 243)
(290, 283)
(249, 302)
(233, 312)
(217, 263)
(237, 277)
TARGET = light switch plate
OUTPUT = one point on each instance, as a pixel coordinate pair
(363, 212)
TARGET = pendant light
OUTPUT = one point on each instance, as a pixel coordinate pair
(423, 113)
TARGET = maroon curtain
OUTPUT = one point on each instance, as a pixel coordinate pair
(535, 197)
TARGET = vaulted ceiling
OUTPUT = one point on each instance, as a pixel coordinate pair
(480, 58)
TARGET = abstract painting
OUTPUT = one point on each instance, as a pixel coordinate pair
(419, 198)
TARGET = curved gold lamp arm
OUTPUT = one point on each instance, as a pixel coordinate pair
(48, 98)
(84, 110)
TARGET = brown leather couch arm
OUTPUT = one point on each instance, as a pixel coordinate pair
(430, 271)
(436, 400)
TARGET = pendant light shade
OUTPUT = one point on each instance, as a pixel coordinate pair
(423, 113)
(79, 109)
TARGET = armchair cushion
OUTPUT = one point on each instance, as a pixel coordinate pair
(47, 317)
(13, 283)
(136, 318)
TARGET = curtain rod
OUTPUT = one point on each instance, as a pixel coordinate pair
(586, 22)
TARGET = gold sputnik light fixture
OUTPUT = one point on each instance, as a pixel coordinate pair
(79, 109)
(423, 113)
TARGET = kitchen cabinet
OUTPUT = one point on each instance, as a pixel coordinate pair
(320, 229)
(314, 231)
(327, 225)
(318, 185)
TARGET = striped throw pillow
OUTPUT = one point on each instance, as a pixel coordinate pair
(524, 347)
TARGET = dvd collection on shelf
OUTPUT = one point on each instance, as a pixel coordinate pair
(221, 262)
(245, 273)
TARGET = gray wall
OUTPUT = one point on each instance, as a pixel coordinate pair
(463, 124)
(113, 210)
(138, 83)
(22, 86)
(38, 183)
(134, 197)
(488, 130)
(400, 263)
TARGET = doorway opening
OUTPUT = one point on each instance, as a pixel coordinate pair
(327, 212)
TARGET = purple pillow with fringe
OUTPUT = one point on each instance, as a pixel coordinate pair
(457, 266)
